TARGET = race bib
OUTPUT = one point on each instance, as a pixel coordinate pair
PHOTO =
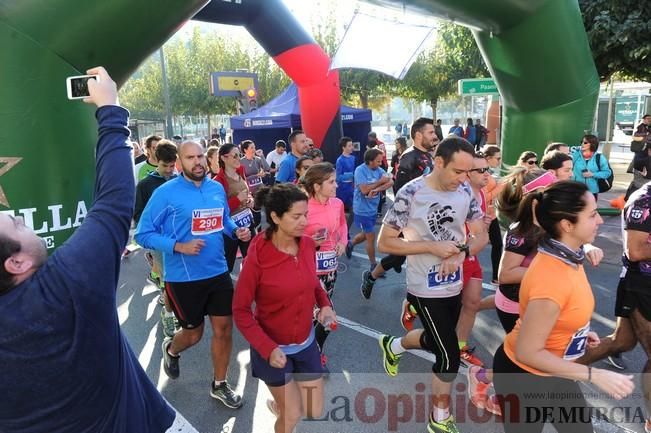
(576, 347)
(243, 219)
(207, 221)
(326, 262)
(254, 181)
(435, 280)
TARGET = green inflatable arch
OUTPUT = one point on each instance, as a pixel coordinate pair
(538, 53)
(536, 50)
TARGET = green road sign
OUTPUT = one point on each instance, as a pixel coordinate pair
(477, 86)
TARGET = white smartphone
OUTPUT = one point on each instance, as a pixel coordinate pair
(78, 86)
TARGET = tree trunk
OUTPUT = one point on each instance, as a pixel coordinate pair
(363, 98)
(433, 102)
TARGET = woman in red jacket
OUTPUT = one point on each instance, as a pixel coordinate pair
(231, 175)
(279, 276)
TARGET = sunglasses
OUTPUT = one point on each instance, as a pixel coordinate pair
(532, 161)
(481, 170)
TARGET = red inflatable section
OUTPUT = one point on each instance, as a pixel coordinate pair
(318, 88)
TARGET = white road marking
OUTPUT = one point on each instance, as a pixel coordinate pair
(123, 310)
(148, 349)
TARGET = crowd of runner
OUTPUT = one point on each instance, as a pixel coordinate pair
(452, 197)
(291, 217)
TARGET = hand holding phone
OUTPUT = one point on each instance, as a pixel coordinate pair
(101, 89)
(77, 86)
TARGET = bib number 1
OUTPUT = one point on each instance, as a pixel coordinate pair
(576, 347)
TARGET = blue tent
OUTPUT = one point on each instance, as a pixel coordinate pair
(276, 119)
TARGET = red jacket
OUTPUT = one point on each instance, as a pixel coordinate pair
(284, 289)
(233, 202)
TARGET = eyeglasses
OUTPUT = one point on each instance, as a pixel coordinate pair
(481, 170)
(532, 161)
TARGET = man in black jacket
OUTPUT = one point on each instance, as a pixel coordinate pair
(166, 154)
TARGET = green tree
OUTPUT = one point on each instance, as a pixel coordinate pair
(436, 72)
(618, 31)
(189, 65)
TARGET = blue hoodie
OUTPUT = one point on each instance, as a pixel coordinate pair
(179, 211)
(66, 366)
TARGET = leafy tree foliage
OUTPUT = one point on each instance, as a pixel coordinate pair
(619, 34)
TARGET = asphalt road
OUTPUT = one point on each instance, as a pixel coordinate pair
(360, 397)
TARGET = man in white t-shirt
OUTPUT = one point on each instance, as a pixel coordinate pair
(430, 213)
(276, 156)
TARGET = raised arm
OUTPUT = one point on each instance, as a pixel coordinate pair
(103, 235)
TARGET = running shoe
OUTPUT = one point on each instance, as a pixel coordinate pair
(367, 285)
(161, 297)
(154, 278)
(616, 361)
(169, 327)
(349, 250)
(468, 358)
(477, 390)
(445, 426)
(225, 394)
(389, 359)
(170, 363)
(407, 315)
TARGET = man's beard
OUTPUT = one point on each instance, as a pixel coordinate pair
(195, 177)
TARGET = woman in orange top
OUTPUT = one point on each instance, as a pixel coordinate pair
(535, 373)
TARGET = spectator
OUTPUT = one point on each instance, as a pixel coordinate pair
(456, 129)
(438, 130)
(66, 366)
(590, 165)
(482, 135)
(470, 133)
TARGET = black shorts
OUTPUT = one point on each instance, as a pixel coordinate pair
(439, 317)
(633, 292)
(192, 300)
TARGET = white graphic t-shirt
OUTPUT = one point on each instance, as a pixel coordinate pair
(422, 214)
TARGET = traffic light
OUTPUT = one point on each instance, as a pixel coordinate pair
(252, 99)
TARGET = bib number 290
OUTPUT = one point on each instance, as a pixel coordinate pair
(206, 221)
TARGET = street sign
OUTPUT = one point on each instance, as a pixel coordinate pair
(477, 86)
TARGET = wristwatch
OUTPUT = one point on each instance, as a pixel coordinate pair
(464, 248)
